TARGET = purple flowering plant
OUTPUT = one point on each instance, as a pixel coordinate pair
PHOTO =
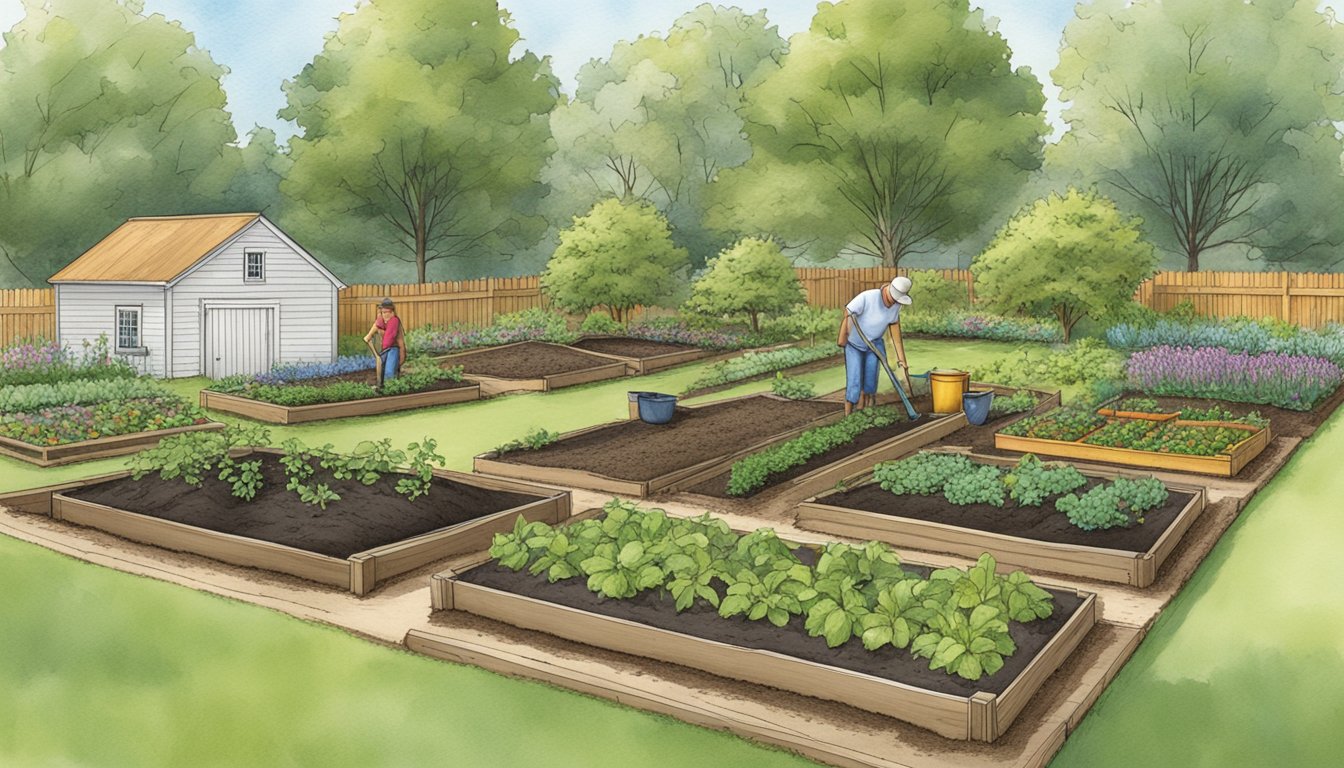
(1295, 382)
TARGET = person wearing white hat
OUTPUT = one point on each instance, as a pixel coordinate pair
(875, 312)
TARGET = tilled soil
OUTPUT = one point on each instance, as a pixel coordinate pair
(529, 360)
(634, 450)
(658, 609)
(1043, 523)
(637, 348)
(366, 517)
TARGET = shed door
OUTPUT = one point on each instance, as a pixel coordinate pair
(238, 340)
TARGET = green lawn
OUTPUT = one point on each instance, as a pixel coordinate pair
(1246, 666)
(103, 668)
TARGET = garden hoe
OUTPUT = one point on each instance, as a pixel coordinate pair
(377, 365)
(882, 361)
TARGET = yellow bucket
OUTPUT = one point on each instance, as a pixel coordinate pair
(947, 387)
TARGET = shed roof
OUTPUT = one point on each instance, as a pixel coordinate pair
(154, 249)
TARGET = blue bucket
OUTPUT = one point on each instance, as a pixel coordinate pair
(976, 405)
(656, 408)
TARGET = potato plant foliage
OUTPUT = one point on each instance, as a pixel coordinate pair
(957, 619)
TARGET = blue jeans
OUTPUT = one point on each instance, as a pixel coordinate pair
(390, 359)
(861, 370)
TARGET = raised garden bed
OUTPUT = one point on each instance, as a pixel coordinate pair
(372, 535)
(532, 366)
(98, 448)
(641, 356)
(886, 681)
(1226, 463)
(1035, 538)
(444, 393)
(633, 458)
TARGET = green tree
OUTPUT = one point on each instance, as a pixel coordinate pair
(659, 118)
(619, 256)
(752, 277)
(107, 114)
(1213, 119)
(891, 126)
(420, 126)
(1070, 256)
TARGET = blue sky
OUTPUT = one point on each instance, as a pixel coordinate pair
(263, 42)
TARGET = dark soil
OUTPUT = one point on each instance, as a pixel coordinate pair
(1043, 523)
(366, 517)
(529, 360)
(634, 450)
(624, 347)
(718, 486)
(370, 377)
(701, 620)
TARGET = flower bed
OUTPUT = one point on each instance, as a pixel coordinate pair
(1235, 335)
(946, 649)
(1210, 447)
(1271, 378)
(528, 325)
(65, 422)
(1028, 514)
(351, 521)
(39, 361)
(295, 393)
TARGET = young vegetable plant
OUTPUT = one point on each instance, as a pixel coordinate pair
(773, 597)
(622, 572)
(899, 616)
(969, 646)
(244, 477)
(423, 459)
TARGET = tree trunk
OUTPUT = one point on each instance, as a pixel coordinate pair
(615, 313)
(1066, 321)
(755, 320)
(1192, 259)
(421, 238)
(890, 256)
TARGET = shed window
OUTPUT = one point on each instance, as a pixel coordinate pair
(255, 269)
(128, 329)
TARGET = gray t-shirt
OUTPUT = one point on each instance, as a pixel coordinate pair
(874, 316)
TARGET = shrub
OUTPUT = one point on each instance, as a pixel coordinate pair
(1083, 362)
(794, 389)
(753, 277)
(805, 322)
(600, 323)
(933, 294)
(981, 325)
(1286, 381)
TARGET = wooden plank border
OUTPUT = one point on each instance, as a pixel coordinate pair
(299, 414)
(1226, 464)
(98, 448)
(981, 717)
(1138, 569)
(360, 573)
(639, 366)
(490, 463)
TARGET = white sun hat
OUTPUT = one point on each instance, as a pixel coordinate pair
(900, 289)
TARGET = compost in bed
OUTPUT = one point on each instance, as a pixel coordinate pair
(1043, 523)
(624, 347)
(701, 620)
(633, 450)
(366, 517)
(529, 360)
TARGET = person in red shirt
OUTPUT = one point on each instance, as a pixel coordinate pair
(394, 340)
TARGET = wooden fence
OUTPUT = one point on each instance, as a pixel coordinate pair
(27, 312)
(1307, 299)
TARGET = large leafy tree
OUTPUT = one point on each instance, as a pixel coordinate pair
(420, 127)
(619, 256)
(659, 118)
(1212, 120)
(752, 277)
(892, 125)
(1071, 256)
(104, 114)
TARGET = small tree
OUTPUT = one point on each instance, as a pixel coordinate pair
(753, 276)
(1072, 256)
(619, 257)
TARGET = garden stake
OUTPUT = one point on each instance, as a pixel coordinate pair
(882, 361)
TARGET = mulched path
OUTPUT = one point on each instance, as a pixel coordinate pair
(701, 620)
(718, 486)
(624, 347)
(366, 517)
(1043, 523)
(529, 360)
(634, 450)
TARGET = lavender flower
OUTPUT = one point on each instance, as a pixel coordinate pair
(1272, 378)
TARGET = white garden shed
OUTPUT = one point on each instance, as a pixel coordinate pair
(209, 295)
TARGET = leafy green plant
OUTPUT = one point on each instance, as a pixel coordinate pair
(969, 646)
(514, 549)
(752, 472)
(534, 440)
(1032, 481)
(981, 485)
(1018, 402)
(925, 473)
(1114, 504)
(693, 569)
(622, 572)
(319, 494)
(753, 364)
(772, 596)
(837, 620)
(1066, 424)
(422, 460)
(899, 616)
(793, 389)
(244, 477)
(600, 323)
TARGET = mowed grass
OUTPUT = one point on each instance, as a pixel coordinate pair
(1244, 668)
(103, 668)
